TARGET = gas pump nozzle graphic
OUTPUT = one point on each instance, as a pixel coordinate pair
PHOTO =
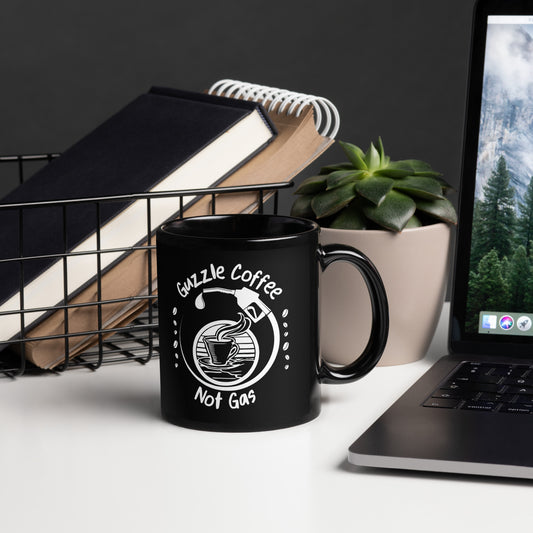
(247, 300)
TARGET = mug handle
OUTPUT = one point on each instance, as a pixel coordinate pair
(380, 314)
(233, 351)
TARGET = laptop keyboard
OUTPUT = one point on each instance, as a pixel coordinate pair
(498, 387)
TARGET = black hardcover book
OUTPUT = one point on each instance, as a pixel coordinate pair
(164, 140)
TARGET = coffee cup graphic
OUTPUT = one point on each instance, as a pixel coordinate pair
(221, 351)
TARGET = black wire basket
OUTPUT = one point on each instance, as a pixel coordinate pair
(137, 340)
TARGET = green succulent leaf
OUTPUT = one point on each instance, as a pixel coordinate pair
(416, 165)
(413, 222)
(338, 166)
(381, 150)
(395, 169)
(394, 211)
(355, 155)
(421, 168)
(446, 187)
(419, 186)
(312, 185)
(302, 206)
(328, 203)
(442, 209)
(342, 177)
(429, 174)
(350, 217)
(374, 188)
(372, 157)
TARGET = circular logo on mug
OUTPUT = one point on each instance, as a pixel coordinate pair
(225, 330)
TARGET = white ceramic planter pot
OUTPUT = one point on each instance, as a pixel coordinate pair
(414, 267)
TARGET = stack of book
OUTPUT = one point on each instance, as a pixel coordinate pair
(70, 266)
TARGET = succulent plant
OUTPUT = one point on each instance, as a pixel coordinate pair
(372, 192)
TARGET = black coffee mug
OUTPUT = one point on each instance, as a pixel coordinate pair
(238, 321)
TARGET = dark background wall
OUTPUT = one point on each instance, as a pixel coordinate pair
(395, 68)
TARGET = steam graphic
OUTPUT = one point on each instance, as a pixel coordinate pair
(229, 331)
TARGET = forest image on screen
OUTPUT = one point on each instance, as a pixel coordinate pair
(501, 261)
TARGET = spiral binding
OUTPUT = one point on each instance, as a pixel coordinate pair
(282, 99)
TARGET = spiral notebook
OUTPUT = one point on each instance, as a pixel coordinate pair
(306, 126)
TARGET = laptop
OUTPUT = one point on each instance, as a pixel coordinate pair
(472, 412)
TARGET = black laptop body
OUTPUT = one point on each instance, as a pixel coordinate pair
(472, 412)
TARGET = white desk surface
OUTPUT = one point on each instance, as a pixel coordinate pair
(87, 451)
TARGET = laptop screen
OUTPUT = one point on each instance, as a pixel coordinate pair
(493, 297)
